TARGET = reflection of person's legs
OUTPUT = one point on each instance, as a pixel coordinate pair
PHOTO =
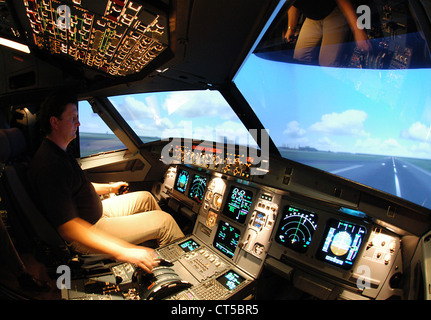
(308, 41)
(335, 29)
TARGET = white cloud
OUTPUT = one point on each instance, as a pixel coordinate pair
(294, 130)
(144, 115)
(422, 149)
(233, 131)
(349, 122)
(132, 109)
(388, 146)
(192, 104)
(417, 131)
(296, 136)
(326, 144)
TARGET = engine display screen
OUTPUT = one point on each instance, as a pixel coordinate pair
(238, 203)
(181, 181)
(226, 239)
(341, 243)
(230, 280)
(189, 245)
(197, 188)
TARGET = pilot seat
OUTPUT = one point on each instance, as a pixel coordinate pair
(29, 229)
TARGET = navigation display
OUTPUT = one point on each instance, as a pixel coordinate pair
(296, 229)
(341, 243)
(197, 188)
(238, 203)
(181, 180)
(226, 239)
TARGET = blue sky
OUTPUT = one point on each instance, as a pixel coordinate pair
(201, 115)
(340, 109)
(384, 112)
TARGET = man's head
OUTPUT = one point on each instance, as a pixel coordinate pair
(54, 106)
(59, 118)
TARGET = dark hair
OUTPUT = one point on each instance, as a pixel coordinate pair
(54, 105)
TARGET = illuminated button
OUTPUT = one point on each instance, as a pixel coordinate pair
(387, 259)
(217, 201)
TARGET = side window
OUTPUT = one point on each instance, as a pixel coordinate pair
(94, 135)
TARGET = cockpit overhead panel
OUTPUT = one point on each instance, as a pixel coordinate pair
(117, 37)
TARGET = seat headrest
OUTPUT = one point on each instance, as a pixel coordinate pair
(12, 144)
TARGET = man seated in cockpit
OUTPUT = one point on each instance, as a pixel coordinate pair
(72, 204)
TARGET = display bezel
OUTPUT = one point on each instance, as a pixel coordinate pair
(225, 246)
(176, 187)
(193, 177)
(191, 245)
(346, 257)
(224, 280)
(310, 216)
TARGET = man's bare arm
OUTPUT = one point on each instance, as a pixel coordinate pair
(103, 188)
(80, 231)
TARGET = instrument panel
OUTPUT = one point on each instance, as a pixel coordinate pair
(251, 225)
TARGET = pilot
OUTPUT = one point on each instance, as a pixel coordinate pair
(326, 26)
(71, 203)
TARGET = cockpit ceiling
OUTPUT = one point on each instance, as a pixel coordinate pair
(113, 47)
(117, 37)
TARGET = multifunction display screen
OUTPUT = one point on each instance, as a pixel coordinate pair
(181, 181)
(197, 188)
(341, 243)
(238, 203)
(226, 239)
(296, 229)
(230, 280)
(189, 245)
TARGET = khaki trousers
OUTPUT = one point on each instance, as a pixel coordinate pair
(136, 218)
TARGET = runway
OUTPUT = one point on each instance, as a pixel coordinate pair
(392, 175)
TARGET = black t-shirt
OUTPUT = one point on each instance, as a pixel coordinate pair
(315, 9)
(61, 188)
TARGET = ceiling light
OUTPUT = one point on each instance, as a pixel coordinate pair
(14, 45)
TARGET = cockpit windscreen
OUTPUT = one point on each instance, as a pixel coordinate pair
(366, 116)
